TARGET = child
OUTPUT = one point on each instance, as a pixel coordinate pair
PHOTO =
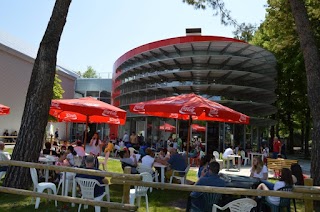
(70, 155)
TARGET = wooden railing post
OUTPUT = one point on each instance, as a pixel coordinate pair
(126, 187)
(308, 203)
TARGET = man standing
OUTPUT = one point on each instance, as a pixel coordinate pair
(125, 138)
(276, 148)
(209, 177)
(3, 157)
(98, 190)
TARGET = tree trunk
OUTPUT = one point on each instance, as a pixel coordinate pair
(291, 137)
(307, 135)
(312, 65)
(302, 140)
(38, 100)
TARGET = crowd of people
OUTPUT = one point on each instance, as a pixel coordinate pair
(169, 153)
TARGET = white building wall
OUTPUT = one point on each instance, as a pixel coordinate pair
(15, 72)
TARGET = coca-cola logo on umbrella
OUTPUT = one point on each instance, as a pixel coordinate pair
(71, 116)
(187, 110)
(107, 112)
(213, 112)
(139, 108)
(114, 121)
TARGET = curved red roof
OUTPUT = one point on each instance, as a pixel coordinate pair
(170, 41)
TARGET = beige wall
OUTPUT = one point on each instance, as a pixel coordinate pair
(15, 72)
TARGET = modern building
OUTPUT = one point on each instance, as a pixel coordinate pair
(232, 72)
(16, 63)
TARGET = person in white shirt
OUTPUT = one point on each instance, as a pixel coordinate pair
(125, 138)
(148, 159)
(285, 180)
(79, 149)
(228, 152)
(3, 156)
(258, 169)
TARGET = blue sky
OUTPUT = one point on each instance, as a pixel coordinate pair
(98, 32)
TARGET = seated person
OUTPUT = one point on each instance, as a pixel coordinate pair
(62, 161)
(148, 159)
(204, 162)
(194, 153)
(258, 169)
(127, 161)
(209, 177)
(285, 180)
(48, 150)
(163, 155)
(226, 153)
(3, 157)
(297, 175)
(89, 164)
(176, 162)
(79, 149)
(70, 155)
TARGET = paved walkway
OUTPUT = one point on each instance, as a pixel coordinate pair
(245, 170)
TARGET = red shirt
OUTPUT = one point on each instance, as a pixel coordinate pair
(276, 146)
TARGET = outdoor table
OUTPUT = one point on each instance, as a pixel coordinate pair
(233, 158)
(49, 160)
(241, 182)
(252, 154)
(160, 165)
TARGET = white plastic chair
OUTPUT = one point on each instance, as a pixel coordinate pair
(141, 191)
(87, 190)
(246, 159)
(141, 168)
(68, 182)
(181, 175)
(216, 155)
(239, 205)
(40, 187)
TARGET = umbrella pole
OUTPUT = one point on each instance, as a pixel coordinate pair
(67, 131)
(188, 138)
(86, 133)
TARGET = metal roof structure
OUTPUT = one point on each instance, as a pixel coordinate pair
(241, 75)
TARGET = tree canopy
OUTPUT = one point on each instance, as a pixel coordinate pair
(89, 73)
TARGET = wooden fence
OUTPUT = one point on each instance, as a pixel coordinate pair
(307, 193)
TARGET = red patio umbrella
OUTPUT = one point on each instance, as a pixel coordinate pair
(87, 110)
(4, 110)
(189, 107)
(196, 127)
(167, 127)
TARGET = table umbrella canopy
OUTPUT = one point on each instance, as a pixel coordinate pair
(69, 116)
(77, 110)
(188, 106)
(4, 110)
(196, 127)
(167, 127)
